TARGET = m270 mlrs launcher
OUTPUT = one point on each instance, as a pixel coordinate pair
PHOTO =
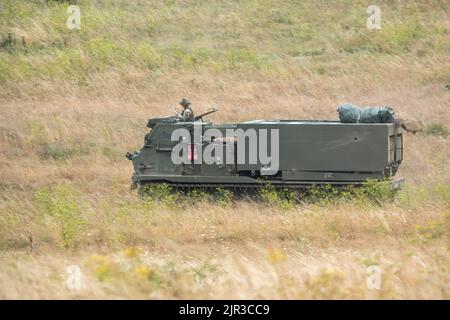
(191, 152)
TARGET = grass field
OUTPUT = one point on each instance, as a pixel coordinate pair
(73, 102)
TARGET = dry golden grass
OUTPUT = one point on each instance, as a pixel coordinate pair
(130, 249)
(64, 180)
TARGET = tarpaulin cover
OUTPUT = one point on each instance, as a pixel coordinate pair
(350, 113)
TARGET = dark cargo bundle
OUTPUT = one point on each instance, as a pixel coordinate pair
(187, 151)
(349, 113)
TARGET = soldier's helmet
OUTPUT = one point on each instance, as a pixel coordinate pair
(185, 102)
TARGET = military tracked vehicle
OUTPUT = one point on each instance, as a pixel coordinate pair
(195, 153)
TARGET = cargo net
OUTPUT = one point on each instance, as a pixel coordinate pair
(350, 113)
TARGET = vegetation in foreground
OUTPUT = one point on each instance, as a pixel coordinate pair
(73, 102)
(274, 247)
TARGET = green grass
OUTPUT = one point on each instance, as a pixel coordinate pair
(59, 206)
(437, 129)
(371, 194)
(258, 36)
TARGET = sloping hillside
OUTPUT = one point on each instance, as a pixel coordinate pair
(73, 102)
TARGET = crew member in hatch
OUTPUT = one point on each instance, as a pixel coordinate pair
(187, 113)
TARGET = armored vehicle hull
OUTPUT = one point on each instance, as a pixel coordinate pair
(301, 153)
